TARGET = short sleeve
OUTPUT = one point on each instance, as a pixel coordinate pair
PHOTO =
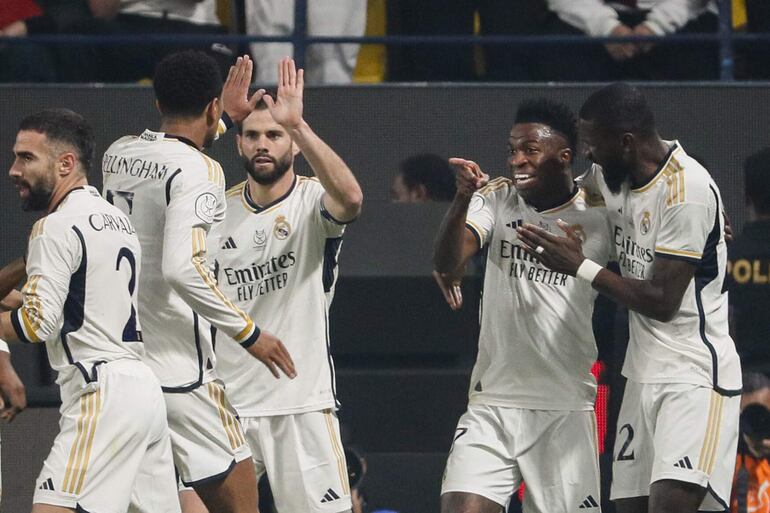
(684, 228)
(480, 219)
(331, 227)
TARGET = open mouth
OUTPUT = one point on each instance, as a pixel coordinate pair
(521, 179)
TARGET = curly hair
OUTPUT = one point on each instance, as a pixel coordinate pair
(185, 82)
(553, 114)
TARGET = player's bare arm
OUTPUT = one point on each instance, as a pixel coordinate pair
(11, 275)
(455, 243)
(658, 298)
(235, 92)
(13, 300)
(13, 398)
(343, 196)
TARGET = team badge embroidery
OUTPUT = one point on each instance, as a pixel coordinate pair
(260, 239)
(282, 228)
(646, 222)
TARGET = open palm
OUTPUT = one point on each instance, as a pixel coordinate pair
(286, 109)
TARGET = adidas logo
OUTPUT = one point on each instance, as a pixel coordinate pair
(684, 463)
(330, 496)
(515, 224)
(588, 503)
(47, 485)
(478, 388)
(229, 244)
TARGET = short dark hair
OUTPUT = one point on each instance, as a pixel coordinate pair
(185, 82)
(619, 108)
(66, 127)
(553, 114)
(754, 381)
(261, 105)
(756, 177)
(433, 172)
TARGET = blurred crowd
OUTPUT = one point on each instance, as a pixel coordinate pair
(565, 59)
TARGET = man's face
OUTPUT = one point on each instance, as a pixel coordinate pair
(265, 147)
(34, 169)
(605, 150)
(538, 157)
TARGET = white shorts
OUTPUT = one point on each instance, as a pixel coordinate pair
(206, 436)
(554, 452)
(303, 458)
(676, 431)
(113, 452)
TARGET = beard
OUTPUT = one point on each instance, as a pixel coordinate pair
(615, 176)
(38, 198)
(280, 167)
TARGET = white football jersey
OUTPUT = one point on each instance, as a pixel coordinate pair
(83, 264)
(678, 214)
(536, 345)
(279, 264)
(173, 194)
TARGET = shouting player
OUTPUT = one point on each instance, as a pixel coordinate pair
(531, 403)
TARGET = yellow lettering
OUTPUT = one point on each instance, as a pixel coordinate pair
(742, 271)
(758, 276)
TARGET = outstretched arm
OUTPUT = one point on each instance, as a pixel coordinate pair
(343, 196)
(455, 243)
(658, 297)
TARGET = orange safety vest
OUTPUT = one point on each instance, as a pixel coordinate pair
(758, 493)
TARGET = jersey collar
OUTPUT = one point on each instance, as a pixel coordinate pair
(661, 167)
(181, 139)
(251, 205)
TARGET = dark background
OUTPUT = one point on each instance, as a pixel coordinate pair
(403, 358)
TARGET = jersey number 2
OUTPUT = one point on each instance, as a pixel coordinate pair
(130, 333)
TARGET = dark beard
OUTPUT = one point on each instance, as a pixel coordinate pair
(39, 198)
(280, 167)
(615, 178)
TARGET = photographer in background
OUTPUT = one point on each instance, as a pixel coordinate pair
(751, 485)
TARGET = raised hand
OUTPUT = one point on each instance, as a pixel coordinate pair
(235, 92)
(269, 350)
(286, 109)
(469, 176)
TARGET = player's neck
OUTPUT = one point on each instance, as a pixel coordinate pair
(264, 195)
(193, 130)
(650, 159)
(64, 187)
(557, 196)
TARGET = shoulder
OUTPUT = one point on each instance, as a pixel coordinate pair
(687, 180)
(496, 186)
(309, 185)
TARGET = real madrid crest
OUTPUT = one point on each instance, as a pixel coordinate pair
(281, 228)
(644, 226)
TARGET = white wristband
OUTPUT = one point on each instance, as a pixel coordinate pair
(4, 346)
(588, 270)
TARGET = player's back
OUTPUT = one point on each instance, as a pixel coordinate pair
(140, 176)
(83, 267)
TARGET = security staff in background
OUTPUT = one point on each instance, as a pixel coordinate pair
(749, 269)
